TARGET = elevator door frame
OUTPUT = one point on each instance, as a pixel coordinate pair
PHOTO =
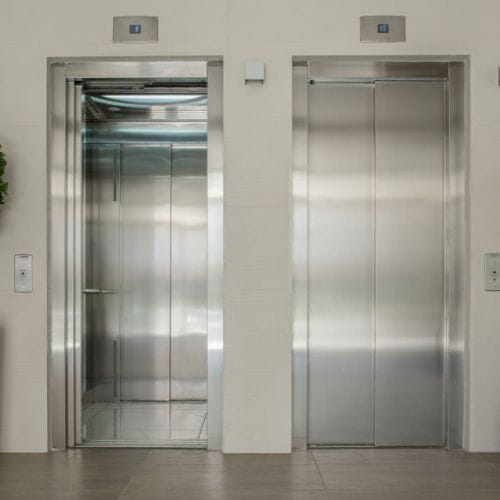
(65, 219)
(363, 70)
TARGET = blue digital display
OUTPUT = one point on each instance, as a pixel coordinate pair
(135, 29)
(382, 28)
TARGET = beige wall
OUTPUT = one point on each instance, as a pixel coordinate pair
(257, 371)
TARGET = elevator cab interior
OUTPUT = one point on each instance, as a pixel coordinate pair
(144, 263)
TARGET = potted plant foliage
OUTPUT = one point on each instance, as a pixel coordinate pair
(4, 186)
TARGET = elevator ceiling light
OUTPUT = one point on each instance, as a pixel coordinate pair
(154, 98)
(146, 107)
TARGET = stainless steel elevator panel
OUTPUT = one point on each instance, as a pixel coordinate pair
(101, 270)
(145, 346)
(189, 273)
(340, 256)
(410, 124)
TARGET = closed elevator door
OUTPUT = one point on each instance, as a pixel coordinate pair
(376, 255)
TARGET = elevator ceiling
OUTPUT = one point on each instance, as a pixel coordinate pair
(155, 107)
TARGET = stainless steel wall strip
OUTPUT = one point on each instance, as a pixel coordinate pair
(299, 255)
(215, 173)
(375, 68)
(78, 268)
(188, 274)
(142, 69)
(57, 254)
(361, 80)
(70, 262)
(116, 359)
(457, 254)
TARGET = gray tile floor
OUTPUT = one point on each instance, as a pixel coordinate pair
(343, 474)
(147, 424)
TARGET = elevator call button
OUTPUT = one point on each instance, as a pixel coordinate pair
(135, 29)
(23, 273)
(492, 271)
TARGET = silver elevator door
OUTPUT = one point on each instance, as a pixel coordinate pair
(145, 330)
(376, 263)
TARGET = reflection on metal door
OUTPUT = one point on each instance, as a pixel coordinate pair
(341, 264)
(145, 332)
(189, 273)
(410, 124)
(376, 263)
(101, 272)
(145, 200)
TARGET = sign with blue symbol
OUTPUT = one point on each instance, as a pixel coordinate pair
(382, 28)
(135, 29)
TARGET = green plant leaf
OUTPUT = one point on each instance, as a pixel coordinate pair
(4, 185)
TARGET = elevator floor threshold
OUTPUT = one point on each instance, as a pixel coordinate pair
(130, 424)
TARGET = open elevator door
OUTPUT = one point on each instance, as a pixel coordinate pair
(144, 337)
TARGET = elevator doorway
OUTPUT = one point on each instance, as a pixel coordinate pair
(145, 263)
(374, 244)
(139, 283)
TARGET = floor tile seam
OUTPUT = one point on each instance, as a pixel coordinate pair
(122, 491)
(409, 465)
(361, 487)
(100, 411)
(62, 489)
(235, 466)
(202, 424)
(258, 489)
(319, 472)
(353, 485)
(135, 467)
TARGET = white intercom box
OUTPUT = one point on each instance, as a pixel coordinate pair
(254, 71)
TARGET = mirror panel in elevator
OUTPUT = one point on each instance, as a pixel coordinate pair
(372, 249)
(145, 260)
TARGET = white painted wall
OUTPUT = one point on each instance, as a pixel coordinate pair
(257, 372)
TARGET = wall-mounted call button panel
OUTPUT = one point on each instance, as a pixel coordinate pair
(492, 271)
(135, 29)
(383, 29)
(23, 273)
